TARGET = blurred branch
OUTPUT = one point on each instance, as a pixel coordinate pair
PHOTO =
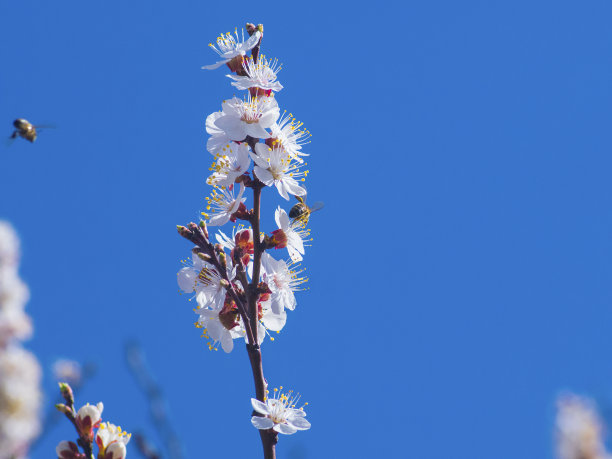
(145, 448)
(157, 405)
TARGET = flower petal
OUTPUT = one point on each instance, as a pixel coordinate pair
(186, 279)
(300, 423)
(262, 423)
(264, 175)
(227, 343)
(285, 429)
(282, 219)
(256, 130)
(260, 407)
(233, 127)
(216, 65)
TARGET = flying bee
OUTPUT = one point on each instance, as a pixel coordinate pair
(25, 129)
(300, 212)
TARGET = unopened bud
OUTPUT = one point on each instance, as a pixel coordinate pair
(223, 283)
(67, 393)
(204, 229)
(203, 256)
(222, 259)
(183, 231)
(63, 408)
(116, 450)
(68, 450)
(252, 28)
(88, 418)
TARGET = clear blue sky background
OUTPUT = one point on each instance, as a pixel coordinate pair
(460, 273)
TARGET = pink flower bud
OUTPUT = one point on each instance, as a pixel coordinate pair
(115, 450)
(87, 418)
(68, 450)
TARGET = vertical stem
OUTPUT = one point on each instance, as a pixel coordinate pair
(253, 294)
(87, 447)
(268, 437)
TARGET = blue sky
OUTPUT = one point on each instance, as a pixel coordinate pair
(460, 270)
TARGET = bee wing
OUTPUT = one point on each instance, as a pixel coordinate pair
(45, 126)
(8, 142)
(316, 206)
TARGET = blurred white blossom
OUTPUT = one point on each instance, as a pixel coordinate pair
(20, 399)
(579, 429)
(69, 371)
(20, 372)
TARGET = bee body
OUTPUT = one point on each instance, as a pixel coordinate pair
(300, 212)
(25, 129)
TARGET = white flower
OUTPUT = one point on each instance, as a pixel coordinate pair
(274, 167)
(187, 277)
(222, 205)
(20, 399)
(228, 48)
(282, 282)
(20, 373)
(248, 117)
(212, 291)
(9, 245)
(289, 133)
(87, 418)
(221, 324)
(279, 413)
(111, 441)
(203, 279)
(14, 323)
(14, 294)
(219, 138)
(232, 161)
(290, 234)
(258, 75)
(269, 319)
(579, 429)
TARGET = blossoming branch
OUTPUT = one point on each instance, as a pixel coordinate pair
(110, 440)
(242, 289)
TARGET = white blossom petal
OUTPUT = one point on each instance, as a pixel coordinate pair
(262, 423)
(285, 429)
(259, 406)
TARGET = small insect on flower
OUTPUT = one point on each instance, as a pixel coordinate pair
(300, 212)
(25, 129)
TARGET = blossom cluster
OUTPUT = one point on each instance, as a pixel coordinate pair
(110, 439)
(20, 373)
(242, 288)
(252, 146)
(579, 429)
